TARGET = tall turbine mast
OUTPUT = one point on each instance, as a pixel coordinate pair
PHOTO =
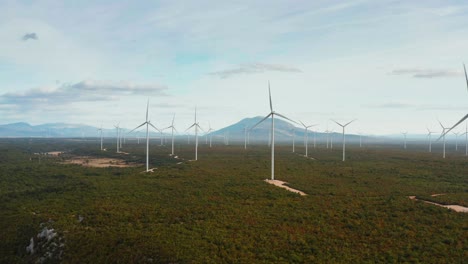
(404, 134)
(444, 132)
(344, 138)
(306, 137)
(172, 134)
(429, 133)
(272, 114)
(100, 129)
(117, 127)
(197, 126)
(147, 123)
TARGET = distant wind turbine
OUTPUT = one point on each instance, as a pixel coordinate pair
(306, 137)
(466, 139)
(444, 132)
(456, 140)
(172, 134)
(404, 134)
(197, 126)
(117, 127)
(209, 133)
(272, 114)
(147, 123)
(344, 138)
(100, 129)
(429, 132)
(293, 138)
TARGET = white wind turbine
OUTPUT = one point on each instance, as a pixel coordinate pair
(197, 126)
(444, 132)
(331, 138)
(100, 129)
(245, 137)
(456, 140)
(404, 134)
(117, 127)
(466, 116)
(272, 114)
(306, 137)
(466, 139)
(293, 138)
(209, 132)
(344, 138)
(429, 132)
(172, 134)
(147, 123)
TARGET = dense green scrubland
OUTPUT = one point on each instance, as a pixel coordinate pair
(219, 210)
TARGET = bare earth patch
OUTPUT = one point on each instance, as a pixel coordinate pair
(282, 185)
(99, 162)
(54, 153)
(456, 208)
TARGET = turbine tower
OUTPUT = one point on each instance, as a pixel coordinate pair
(429, 132)
(147, 123)
(306, 137)
(466, 139)
(344, 138)
(456, 140)
(172, 134)
(100, 129)
(197, 126)
(444, 132)
(272, 114)
(209, 132)
(404, 134)
(117, 127)
(293, 138)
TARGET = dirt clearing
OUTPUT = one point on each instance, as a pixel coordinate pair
(99, 162)
(282, 185)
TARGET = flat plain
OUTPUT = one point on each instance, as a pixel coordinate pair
(219, 209)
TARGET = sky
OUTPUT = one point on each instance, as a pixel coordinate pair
(393, 65)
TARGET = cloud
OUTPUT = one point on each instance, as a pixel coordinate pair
(415, 107)
(254, 68)
(426, 73)
(84, 91)
(29, 36)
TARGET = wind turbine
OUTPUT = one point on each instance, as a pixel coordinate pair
(306, 137)
(100, 129)
(197, 126)
(466, 116)
(456, 140)
(209, 132)
(429, 132)
(444, 132)
(327, 131)
(331, 139)
(404, 134)
(172, 133)
(245, 137)
(117, 127)
(293, 138)
(147, 123)
(466, 140)
(272, 114)
(344, 138)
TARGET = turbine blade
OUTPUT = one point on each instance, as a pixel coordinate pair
(466, 76)
(154, 127)
(350, 122)
(302, 123)
(269, 93)
(261, 121)
(190, 126)
(338, 123)
(200, 128)
(280, 115)
(173, 120)
(137, 127)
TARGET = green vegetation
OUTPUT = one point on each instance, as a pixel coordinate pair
(219, 210)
